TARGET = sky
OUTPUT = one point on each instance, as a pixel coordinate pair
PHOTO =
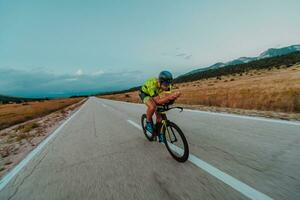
(66, 47)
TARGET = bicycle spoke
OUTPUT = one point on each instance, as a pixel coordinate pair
(168, 135)
(175, 140)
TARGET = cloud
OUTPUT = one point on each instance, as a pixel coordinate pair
(79, 72)
(184, 55)
(181, 54)
(99, 72)
(188, 57)
(178, 53)
(39, 83)
(71, 79)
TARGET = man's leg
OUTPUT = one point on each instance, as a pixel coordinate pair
(158, 125)
(151, 107)
(158, 117)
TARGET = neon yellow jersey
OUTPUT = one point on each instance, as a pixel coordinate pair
(151, 88)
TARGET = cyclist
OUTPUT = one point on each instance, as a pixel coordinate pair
(150, 95)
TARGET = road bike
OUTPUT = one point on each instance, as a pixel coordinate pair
(174, 138)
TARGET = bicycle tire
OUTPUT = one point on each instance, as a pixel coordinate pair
(185, 155)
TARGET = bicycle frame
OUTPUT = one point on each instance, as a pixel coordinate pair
(168, 129)
(164, 124)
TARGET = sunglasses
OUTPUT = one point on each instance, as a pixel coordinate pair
(166, 83)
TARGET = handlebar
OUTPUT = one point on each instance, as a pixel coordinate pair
(164, 108)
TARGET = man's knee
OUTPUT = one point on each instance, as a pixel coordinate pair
(152, 107)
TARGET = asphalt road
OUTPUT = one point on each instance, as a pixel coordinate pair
(99, 154)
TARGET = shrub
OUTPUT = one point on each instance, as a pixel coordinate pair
(28, 127)
(22, 136)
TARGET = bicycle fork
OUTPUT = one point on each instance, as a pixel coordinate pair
(172, 139)
(171, 135)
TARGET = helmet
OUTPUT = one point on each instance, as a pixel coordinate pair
(165, 77)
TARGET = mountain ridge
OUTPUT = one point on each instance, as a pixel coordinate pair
(282, 61)
(4, 99)
(271, 52)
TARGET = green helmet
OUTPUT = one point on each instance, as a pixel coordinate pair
(165, 77)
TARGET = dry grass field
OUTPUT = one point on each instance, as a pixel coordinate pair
(11, 114)
(265, 90)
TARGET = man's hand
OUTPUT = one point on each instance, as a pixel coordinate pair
(166, 98)
(174, 95)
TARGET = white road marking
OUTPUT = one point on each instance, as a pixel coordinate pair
(229, 180)
(10, 175)
(104, 105)
(109, 107)
(245, 117)
(225, 178)
(134, 124)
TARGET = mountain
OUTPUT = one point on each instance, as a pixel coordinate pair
(285, 60)
(7, 99)
(214, 66)
(278, 52)
(242, 60)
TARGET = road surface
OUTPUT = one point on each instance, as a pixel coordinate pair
(101, 153)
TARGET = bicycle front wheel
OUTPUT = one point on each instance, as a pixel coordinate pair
(176, 142)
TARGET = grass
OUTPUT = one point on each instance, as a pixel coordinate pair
(266, 90)
(11, 114)
(22, 135)
(28, 127)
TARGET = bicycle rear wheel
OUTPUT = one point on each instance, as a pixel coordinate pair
(148, 135)
(176, 142)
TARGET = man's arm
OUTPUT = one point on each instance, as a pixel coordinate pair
(167, 98)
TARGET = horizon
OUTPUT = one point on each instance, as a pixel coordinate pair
(93, 93)
(59, 48)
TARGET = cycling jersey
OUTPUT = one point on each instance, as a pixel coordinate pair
(151, 88)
